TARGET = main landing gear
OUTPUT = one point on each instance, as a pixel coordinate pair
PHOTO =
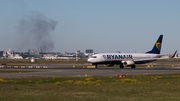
(132, 66)
(95, 65)
(121, 66)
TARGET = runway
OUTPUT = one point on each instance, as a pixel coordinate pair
(81, 72)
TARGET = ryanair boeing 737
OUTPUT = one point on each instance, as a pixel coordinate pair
(127, 59)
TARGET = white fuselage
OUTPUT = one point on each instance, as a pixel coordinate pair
(112, 57)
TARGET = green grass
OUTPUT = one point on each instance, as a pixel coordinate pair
(164, 87)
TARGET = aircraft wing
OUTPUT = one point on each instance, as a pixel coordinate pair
(170, 55)
(147, 60)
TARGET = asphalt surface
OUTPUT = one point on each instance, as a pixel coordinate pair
(81, 72)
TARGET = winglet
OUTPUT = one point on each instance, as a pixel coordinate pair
(157, 47)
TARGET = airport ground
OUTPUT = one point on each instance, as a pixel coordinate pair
(50, 68)
(65, 82)
(158, 87)
(10, 62)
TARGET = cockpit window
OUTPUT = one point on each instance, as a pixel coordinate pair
(93, 56)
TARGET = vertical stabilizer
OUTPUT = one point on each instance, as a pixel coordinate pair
(174, 55)
(157, 47)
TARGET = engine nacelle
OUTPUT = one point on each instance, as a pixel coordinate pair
(127, 63)
(109, 65)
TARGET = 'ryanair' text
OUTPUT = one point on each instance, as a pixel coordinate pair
(117, 57)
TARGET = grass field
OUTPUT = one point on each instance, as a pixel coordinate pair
(164, 87)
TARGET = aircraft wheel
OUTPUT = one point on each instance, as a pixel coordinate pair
(96, 66)
(133, 66)
(121, 66)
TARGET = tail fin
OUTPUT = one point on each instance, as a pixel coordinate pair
(157, 47)
(174, 54)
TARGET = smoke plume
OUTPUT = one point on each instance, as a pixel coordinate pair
(35, 31)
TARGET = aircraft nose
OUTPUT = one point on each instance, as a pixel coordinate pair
(89, 60)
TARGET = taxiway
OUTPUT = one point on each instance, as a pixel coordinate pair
(81, 72)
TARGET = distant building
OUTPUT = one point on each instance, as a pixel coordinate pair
(2, 54)
(77, 55)
(41, 50)
(63, 52)
(32, 55)
(89, 51)
(29, 51)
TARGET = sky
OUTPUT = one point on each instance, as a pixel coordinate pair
(102, 25)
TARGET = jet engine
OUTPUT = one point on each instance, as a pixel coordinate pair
(127, 63)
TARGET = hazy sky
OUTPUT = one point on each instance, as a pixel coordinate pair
(102, 25)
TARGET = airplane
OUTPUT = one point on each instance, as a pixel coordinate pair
(127, 59)
(47, 57)
(175, 55)
(170, 56)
